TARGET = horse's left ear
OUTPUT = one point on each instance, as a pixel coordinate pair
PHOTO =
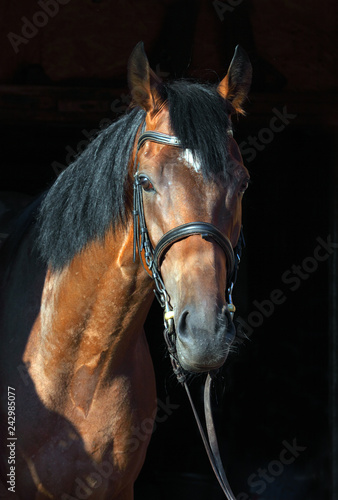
(236, 84)
(143, 82)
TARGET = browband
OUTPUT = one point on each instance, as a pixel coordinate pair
(169, 140)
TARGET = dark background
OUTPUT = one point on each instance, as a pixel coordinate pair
(62, 81)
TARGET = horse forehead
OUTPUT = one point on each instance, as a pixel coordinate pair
(191, 160)
(186, 170)
(182, 167)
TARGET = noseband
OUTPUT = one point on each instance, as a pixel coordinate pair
(153, 258)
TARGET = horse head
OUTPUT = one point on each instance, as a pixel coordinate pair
(202, 180)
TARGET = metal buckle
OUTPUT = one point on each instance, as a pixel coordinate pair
(231, 306)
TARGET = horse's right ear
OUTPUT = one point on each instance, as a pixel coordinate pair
(236, 84)
(143, 82)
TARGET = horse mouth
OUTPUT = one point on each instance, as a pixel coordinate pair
(199, 368)
(197, 364)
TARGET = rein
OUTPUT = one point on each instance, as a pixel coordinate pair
(153, 258)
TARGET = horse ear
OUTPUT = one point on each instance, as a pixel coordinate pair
(236, 84)
(143, 82)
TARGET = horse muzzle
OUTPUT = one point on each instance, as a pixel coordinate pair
(203, 340)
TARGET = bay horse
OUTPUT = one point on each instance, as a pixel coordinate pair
(77, 376)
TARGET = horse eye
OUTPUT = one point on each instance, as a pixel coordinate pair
(146, 183)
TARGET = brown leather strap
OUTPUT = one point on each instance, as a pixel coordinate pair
(210, 442)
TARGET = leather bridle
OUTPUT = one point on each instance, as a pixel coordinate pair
(152, 263)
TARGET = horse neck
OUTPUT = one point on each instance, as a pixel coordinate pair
(94, 309)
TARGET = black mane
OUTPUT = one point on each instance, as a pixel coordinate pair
(91, 195)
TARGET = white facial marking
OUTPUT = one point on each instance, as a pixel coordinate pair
(189, 159)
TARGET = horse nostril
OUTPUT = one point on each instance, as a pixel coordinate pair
(182, 326)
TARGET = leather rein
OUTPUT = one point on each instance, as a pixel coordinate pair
(152, 259)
